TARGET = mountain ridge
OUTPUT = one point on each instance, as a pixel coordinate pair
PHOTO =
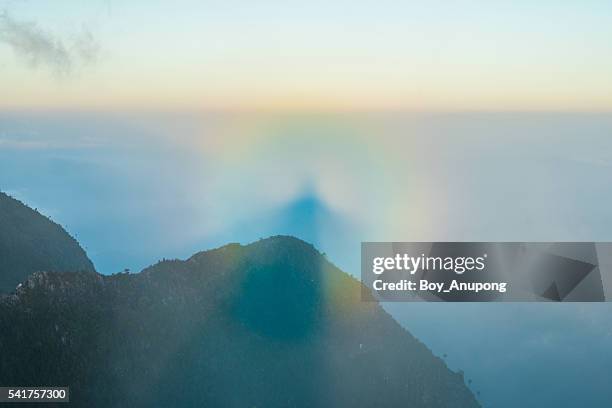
(31, 242)
(273, 319)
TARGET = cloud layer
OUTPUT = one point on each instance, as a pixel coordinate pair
(39, 48)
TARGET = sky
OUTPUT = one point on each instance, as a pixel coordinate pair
(317, 55)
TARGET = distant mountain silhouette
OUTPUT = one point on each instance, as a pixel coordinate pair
(270, 324)
(306, 216)
(31, 242)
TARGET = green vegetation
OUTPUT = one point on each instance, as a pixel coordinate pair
(30, 242)
(271, 324)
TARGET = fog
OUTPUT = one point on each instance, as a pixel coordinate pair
(133, 188)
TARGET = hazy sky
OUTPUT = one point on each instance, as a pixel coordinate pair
(439, 55)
